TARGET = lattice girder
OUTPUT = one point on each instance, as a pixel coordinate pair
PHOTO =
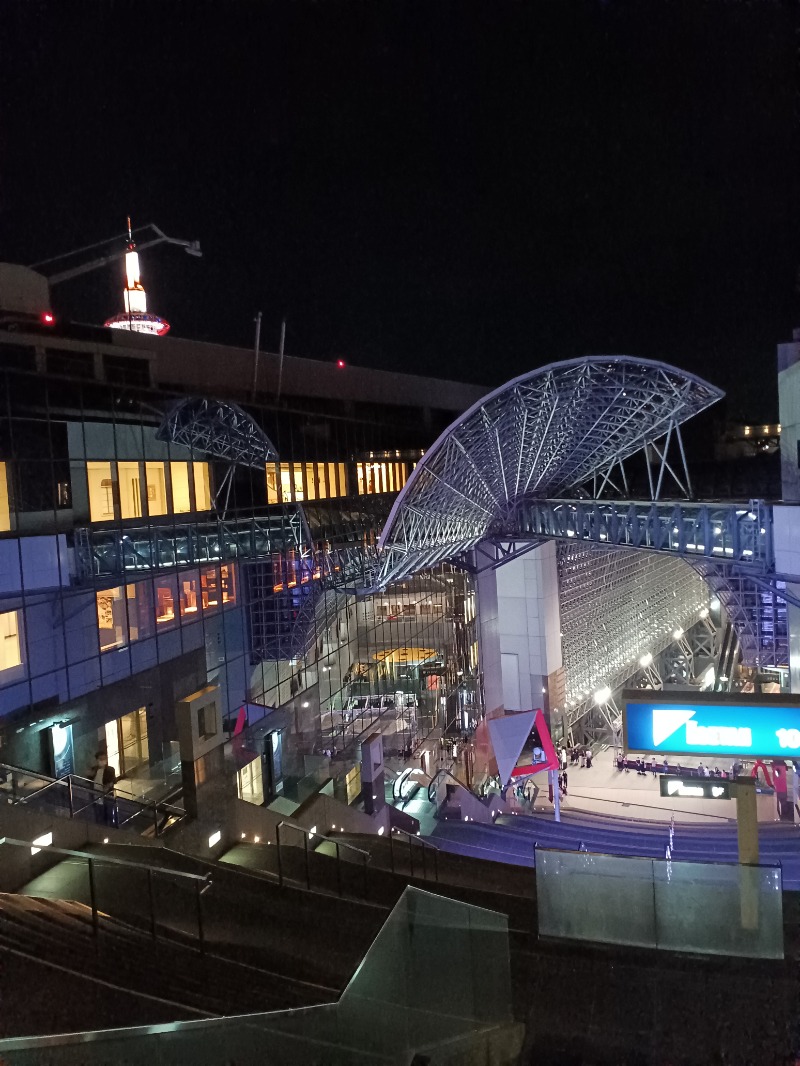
(541, 435)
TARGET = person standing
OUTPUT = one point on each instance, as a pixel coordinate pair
(563, 758)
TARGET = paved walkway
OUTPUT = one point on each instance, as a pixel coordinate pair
(604, 790)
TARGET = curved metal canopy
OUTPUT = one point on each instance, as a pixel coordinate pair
(543, 434)
(218, 428)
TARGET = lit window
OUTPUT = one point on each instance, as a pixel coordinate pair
(361, 477)
(190, 602)
(322, 493)
(10, 644)
(101, 491)
(209, 589)
(202, 487)
(156, 489)
(166, 590)
(130, 492)
(311, 482)
(181, 501)
(332, 487)
(227, 581)
(5, 509)
(272, 483)
(112, 624)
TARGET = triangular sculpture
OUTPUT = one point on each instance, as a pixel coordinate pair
(550, 761)
(509, 734)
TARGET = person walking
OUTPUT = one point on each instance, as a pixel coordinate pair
(588, 758)
(563, 758)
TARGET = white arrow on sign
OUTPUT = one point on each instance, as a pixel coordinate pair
(717, 790)
(665, 723)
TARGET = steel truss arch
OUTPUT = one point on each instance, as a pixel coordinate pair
(544, 434)
(217, 428)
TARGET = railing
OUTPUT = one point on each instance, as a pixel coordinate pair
(725, 532)
(202, 882)
(308, 835)
(434, 783)
(82, 798)
(424, 845)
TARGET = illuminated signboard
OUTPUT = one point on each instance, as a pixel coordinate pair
(694, 788)
(712, 724)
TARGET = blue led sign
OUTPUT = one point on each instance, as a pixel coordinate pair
(679, 726)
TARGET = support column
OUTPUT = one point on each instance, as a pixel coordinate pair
(519, 631)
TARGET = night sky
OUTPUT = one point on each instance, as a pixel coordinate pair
(461, 188)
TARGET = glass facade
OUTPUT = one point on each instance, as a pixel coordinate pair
(135, 569)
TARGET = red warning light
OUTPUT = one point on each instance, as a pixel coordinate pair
(340, 363)
(48, 319)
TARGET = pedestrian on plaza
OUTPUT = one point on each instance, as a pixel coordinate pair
(583, 757)
(640, 770)
(563, 758)
(653, 766)
(588, 758)
(564, 776)
(706, 772)
(666, 767)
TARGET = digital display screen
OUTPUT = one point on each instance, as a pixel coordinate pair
(675, 725)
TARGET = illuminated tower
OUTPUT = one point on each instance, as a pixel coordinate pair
(135, 315)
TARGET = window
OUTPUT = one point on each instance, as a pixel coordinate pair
(189, 585)
(227, 580)
(126, 741)
(130, 490)
(181, 501)
(273, 495)
(209, 589)
(207, 721)
(166, 593)
(5, 508)
(101, 491)
(112, 624)
(10, 645)
(202, 487)
(141, 622)
(156, 489)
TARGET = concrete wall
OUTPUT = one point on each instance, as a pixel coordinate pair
(519, 627)
(18, 866)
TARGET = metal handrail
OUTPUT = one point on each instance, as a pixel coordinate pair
(69, 781)
(307, 835)
(449, 773)
(412, 839)
(202, 883)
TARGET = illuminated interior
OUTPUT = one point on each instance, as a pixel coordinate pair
(10, 647)
(5, 508)
(166, 590)
(111, 619)
(380, 477)
(202, 487)
(101, 491)
(156, 489)
(181, 500)
(227, 581)
(189, 585)
(130, 490)
(297, 482)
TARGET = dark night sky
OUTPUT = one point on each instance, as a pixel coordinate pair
(471, 189)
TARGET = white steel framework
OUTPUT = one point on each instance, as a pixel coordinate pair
(618, 605)
(546, 434)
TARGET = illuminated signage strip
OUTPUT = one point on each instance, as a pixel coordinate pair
(766, 727)
(694, 788)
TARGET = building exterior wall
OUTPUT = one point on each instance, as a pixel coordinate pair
(519, 630)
